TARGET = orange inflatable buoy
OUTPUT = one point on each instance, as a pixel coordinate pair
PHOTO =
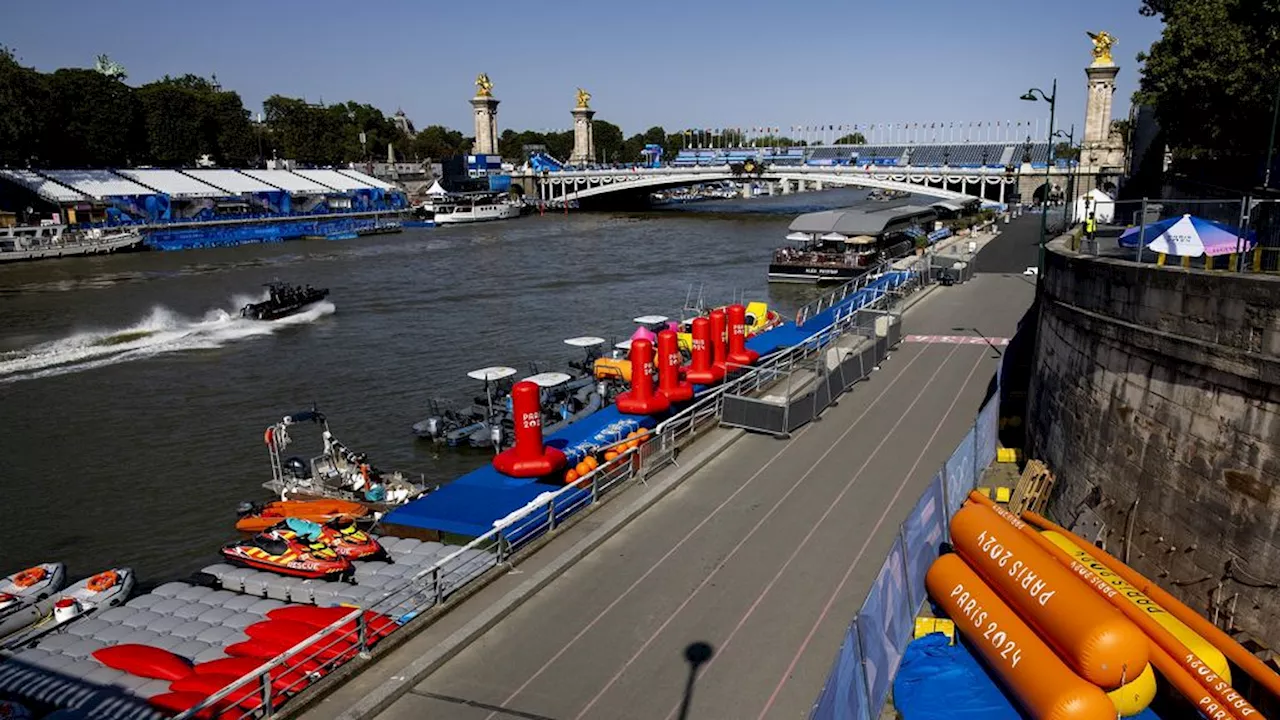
(269, 436)
(1090, 635)
(102, 581)
(29, 577)
(1045, 687)
(591, 462)
(570, 477)
(609, 455)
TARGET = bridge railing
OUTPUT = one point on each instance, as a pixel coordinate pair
(862, 674)
(351, 637)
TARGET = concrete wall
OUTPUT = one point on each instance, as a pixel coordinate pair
(1162, 386)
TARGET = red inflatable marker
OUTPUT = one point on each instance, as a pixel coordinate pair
(529, 458)
(641, 399)
(738, 352)
(702, 370)
(669, 382)
(719, 341)
(144, 661)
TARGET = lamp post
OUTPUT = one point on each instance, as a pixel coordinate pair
(1052, 99)
(1071, 176)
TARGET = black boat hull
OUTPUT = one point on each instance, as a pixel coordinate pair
(274, 311)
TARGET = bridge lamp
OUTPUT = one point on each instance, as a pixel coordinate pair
(1052, 99)
(1071, 177)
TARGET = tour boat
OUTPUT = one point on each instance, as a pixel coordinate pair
(32, 242)
(476, 208)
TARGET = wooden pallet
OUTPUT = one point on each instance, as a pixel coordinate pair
(1033, 489)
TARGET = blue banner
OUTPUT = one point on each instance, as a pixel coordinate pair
(884, 626)
(986, 431)
(960, 477)
(922, 532)
(844, 696)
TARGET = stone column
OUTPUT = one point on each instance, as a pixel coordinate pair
(584, 139)
(486, 112)
(1105, 148)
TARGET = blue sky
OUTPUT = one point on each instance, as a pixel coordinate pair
(658, 62)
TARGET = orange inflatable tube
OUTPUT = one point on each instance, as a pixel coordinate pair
(1246, 661)
(1090, 635)
(1220, 691)
(1045, 687)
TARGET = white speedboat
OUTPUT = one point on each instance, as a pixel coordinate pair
(34, 242)
(476, 208)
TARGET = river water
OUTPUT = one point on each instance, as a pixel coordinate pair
(133, 399)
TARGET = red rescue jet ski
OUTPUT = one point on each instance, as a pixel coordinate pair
(340, 535)
(283, 552)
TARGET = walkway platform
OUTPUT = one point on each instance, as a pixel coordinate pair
(763, 553)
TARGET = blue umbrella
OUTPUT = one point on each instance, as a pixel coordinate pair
(1190, 236)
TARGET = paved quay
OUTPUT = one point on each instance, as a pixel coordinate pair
(763, 553)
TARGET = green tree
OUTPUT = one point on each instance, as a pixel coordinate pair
(438, 142)
(24, 95)
(1212, 75)
(854, 138)
(1063, 151)
(93, 121)
(609, 140)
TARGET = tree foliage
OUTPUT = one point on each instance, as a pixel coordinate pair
(1213, 74)
(854, 138)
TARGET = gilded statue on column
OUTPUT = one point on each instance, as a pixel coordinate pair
(1102, 42)
(584, 97)
(484, 88)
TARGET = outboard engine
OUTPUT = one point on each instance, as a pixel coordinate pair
(433, 426)
(297, 467)
(65, 609)
(248, 508)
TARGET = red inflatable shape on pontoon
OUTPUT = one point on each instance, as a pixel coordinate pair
(377, 625)
(528, 458)
(719, 341)
(247, 696)
(738, 352)
(180, 702)
(641, 399)
(144, 661)
(702, 371)
(669, 382)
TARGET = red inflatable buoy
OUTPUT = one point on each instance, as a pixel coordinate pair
(377, 625)
(144, 661)
(240, 666)
(669, 382)
(719, 341)
(528, 458)
(641, 398)
(701, 370)
(180, 702)
(738, 352)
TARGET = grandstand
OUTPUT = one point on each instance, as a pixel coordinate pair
(154, 196)
(953, 155)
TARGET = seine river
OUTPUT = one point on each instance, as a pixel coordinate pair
(133, 398)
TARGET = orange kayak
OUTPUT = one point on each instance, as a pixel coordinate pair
(258, 517)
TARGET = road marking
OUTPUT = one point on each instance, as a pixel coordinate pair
(956, 340)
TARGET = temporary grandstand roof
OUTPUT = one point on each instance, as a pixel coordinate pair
(173, 183)
(954, 205)
(43, 186)
(290, 182)
(856, 222)
(99, 184)
(334, 179)
(232, 181)
(365, 178)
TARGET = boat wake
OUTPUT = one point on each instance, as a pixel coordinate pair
(162, 331)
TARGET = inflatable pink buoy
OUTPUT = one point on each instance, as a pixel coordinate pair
(528, 458)
(701, 370)
(641, 399)
(644, 333)
(669, 382)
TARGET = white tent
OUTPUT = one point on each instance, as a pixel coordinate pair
(436, 189)
(1097, 202)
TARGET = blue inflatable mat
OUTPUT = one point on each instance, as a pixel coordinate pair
(937, 681)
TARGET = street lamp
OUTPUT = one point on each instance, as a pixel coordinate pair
(1052, 99)
(1071, 176)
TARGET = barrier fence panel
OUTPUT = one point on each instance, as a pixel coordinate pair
(960, 474)
(844, 696)
(922, 531)
(884, 626)
(986, 430)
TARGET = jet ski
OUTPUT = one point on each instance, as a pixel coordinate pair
(106, 589)
(342, 537)
(256, 517)
(25, 588)
(283, 300)
(285, 553)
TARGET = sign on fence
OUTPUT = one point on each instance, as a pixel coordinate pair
(985, 431)
(884, 625)
(922, 532)
(960, 475)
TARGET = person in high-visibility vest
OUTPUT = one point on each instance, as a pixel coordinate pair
(1090, 226)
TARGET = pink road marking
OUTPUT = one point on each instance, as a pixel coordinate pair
(849, 573)
(669, 553)
(760, 523)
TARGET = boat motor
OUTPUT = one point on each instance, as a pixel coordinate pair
(246, 508)
(433, 426)
(297, 468)
(495, 434)
(65, 609)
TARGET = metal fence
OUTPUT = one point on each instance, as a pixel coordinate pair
(861, 676)
(258, 694)
(1253, 224)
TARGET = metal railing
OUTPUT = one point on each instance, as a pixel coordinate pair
(838, 295)
(258, 693)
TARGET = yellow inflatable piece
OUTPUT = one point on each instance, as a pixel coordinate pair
(612, 369)
(1203, 649)
(1134, 696)
(759, 319)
